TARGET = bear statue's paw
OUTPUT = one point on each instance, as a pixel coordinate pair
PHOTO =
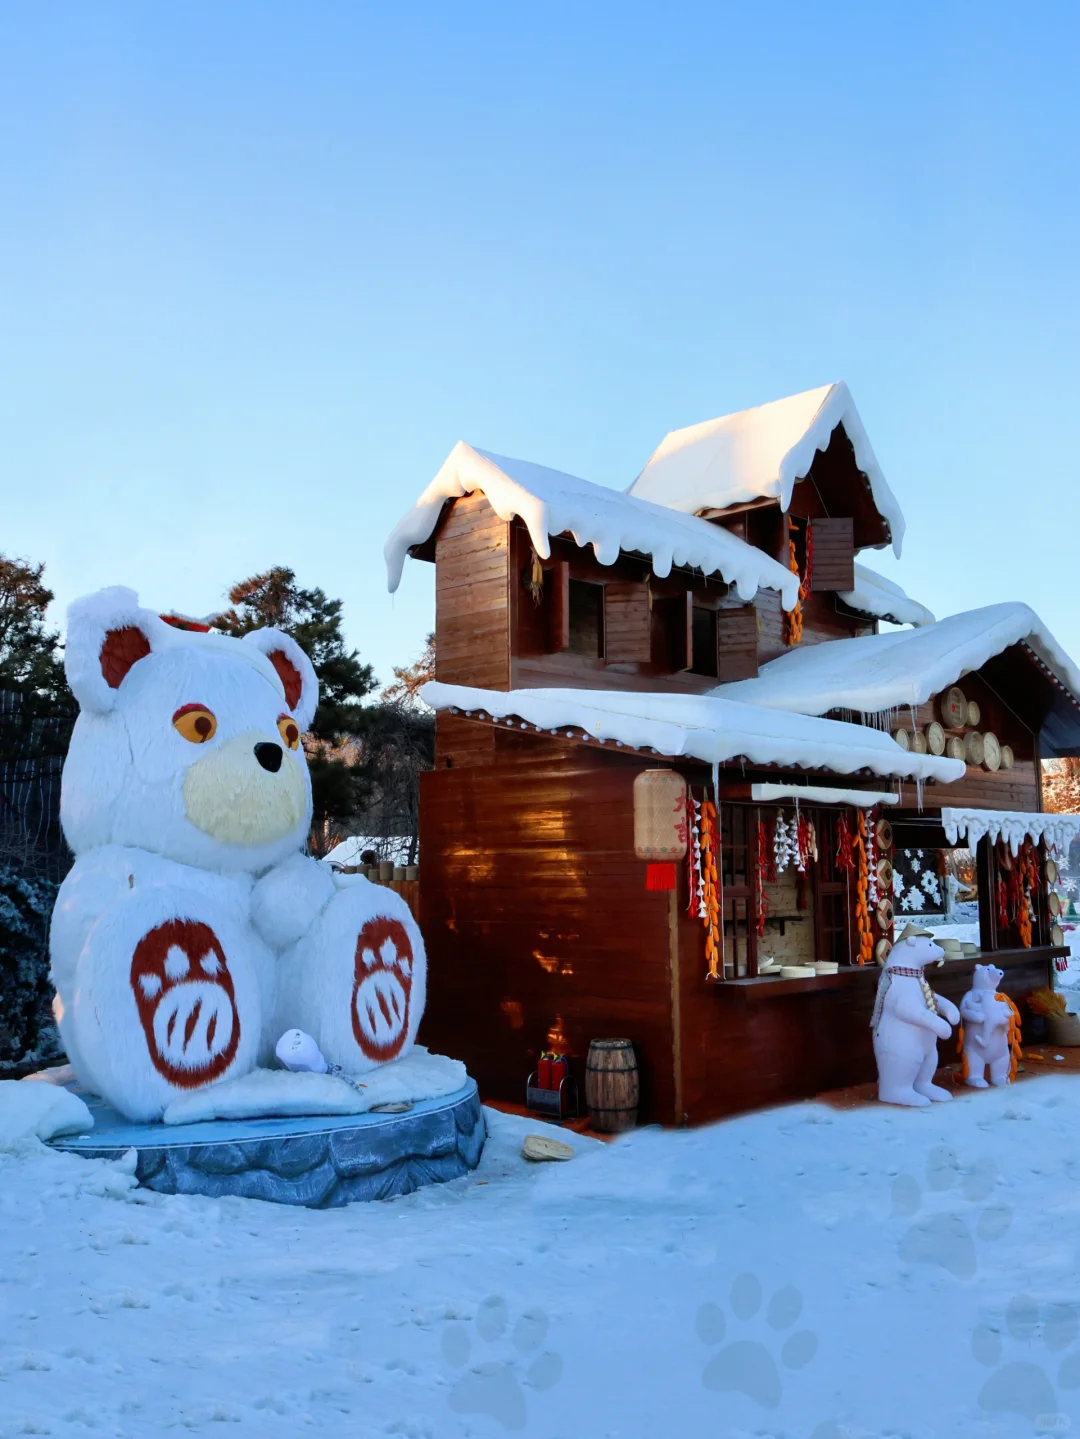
(167, 999)
(357, 982)
(287, 900)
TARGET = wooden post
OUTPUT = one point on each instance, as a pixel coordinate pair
(986, 882)
(676, 1003)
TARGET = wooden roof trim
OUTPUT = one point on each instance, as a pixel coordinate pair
(577, 735)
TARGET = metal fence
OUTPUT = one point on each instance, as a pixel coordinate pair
(32, 748)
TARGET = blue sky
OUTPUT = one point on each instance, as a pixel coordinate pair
(263, 264)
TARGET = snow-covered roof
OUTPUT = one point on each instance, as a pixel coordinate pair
(904, 667)
(699, 727)
(760, 454)
(552, 503)
(875, 595)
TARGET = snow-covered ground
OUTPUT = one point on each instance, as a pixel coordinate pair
(800, 1272)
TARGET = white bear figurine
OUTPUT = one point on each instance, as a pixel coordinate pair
(192, 931)
(986, 1029)
(908, 1021)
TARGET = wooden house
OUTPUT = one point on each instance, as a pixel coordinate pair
(713, 620)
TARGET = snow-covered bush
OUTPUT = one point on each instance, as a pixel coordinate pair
(27, 1031)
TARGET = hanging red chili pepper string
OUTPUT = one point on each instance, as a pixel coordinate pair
(762, 861)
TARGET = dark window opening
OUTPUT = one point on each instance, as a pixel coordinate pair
(704, 642)
(586, 619)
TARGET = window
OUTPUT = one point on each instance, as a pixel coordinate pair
(586, 619)
(704, 642)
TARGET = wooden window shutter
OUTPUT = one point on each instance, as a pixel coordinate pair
(737, 643)
(627, 624)
(675, 614)
(834, 554)
(558, 579)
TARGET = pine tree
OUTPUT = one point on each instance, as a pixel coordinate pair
(410, 679)
(37, 711)
(340, 773)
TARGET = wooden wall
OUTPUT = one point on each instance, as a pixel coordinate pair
(538, 926)
(472, 596)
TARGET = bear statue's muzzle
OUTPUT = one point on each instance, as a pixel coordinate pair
(244, 792)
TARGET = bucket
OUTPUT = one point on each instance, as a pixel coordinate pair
(611, 1085)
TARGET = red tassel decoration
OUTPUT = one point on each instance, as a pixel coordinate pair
(660, 875)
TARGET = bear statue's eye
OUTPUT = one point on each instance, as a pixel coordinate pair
(289, 730)
(195, 722)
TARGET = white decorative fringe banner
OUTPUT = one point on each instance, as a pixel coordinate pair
(1058, 830)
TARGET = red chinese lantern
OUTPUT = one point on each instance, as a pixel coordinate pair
(660, 824)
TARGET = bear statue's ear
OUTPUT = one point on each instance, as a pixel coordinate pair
(293, 670)
(107, 635)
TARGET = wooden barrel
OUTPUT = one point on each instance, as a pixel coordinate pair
(611, 1085)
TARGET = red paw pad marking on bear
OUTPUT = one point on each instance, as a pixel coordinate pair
(186, 1002)
(380, 1003)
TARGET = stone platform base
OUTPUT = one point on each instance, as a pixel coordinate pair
(321, 1162)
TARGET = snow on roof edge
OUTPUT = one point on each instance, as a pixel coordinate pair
(884, 599)
(836, 407)
(806, 680)
(609, 520)
(701, 727)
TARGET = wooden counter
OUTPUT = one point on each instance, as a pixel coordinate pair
(752, 991)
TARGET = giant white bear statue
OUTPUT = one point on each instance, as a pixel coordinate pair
(908, 1020)
(987, 1025)
(192, 931)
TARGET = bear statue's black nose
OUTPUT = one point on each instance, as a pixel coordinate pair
(269, 756)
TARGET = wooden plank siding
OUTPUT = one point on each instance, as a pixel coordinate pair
(472, 596)
(536, 917)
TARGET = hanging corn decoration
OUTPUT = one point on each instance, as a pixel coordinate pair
(710, 898)
(793, 618)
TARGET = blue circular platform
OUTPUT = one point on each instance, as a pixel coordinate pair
(321, 1161)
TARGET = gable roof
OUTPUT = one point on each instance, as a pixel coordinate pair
(759, 454)
(873, 673)
(552, 503)
(702, 727)
(884, 600)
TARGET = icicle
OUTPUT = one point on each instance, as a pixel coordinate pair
(919, 792)
(716, 782)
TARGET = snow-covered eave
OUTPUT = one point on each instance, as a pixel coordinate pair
(880, 599)
(695, 727)
(836, 408)
(858, 691)
(1058, 830)
(611, 522)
